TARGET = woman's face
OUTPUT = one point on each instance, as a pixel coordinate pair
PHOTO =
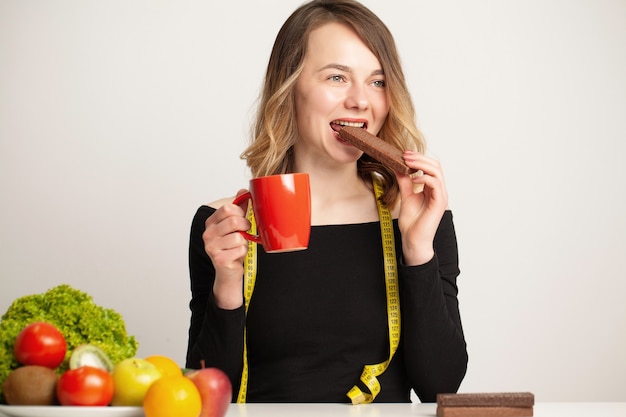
(341, 83)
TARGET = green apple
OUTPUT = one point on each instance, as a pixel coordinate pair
(132, 378)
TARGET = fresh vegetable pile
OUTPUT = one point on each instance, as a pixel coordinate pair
(59, 348)
(77, 318)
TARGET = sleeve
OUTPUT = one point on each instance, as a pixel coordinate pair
(215, 335)
(434, 345)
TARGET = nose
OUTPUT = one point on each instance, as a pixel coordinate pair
(357, 98)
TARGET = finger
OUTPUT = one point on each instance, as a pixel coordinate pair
(429, 172)
(223, 249)
(423, 163)
(433, 189)
(231, 241)
(228, 225)
(244, 203)
(406, 185)
(230, 259)
(224, 212)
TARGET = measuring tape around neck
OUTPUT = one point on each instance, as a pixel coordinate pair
(370, 372)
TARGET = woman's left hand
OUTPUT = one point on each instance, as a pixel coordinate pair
(421, 211)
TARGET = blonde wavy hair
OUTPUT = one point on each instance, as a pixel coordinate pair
(275, 130)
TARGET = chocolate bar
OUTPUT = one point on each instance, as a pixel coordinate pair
(498, 404)
(493, 399)
(383, 152)
(484, 411)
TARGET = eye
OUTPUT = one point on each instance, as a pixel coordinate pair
(336, 78)
(379, 83)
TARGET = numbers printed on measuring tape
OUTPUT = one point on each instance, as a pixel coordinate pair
(250, 279)
(368, 377)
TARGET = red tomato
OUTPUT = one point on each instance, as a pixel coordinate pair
(86, 385)
(40, 344)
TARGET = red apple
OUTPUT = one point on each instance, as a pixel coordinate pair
(215, 389)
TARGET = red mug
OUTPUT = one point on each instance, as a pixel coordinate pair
(282, 211)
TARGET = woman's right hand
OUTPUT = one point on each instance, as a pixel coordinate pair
(227, 249)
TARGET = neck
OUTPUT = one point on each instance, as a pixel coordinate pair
(341, 198)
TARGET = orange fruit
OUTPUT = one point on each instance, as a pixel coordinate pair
(171, 396)
(165, 365)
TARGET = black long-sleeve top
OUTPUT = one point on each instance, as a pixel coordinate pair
(317, 316)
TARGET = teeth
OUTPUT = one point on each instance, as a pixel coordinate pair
(352, 124)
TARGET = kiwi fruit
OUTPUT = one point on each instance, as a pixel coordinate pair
(90, 355)
(30, 385)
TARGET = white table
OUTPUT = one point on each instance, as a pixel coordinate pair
(587, 409)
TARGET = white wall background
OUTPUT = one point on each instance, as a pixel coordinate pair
(118, 118)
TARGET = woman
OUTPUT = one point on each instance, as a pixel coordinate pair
(318, 316)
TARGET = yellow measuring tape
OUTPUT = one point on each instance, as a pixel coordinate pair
(248, 288)
(370, 372)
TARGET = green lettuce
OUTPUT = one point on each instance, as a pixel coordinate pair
(76, 315)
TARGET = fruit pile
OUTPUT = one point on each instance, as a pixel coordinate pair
(155, 383)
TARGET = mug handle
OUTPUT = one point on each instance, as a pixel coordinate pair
(238, 200)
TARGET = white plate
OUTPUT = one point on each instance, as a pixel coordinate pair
(67, 411)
